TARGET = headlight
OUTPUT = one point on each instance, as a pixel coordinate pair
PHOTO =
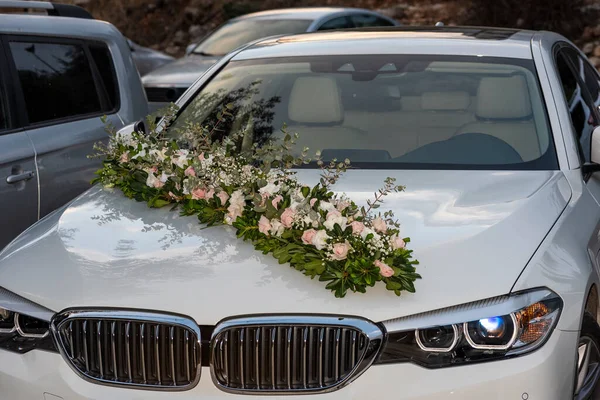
(24, 325)
(483, 331)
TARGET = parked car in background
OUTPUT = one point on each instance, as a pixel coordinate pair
(60, 73)
(166, 84)
(147, 59)
(495, 134)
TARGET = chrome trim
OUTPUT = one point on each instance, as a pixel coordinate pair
(507, 346)
(143, 317)
(14, 327)
(438, 349)
(28, 335)
(502, 305)
(370, 330)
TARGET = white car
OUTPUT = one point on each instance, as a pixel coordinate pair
(494, 134)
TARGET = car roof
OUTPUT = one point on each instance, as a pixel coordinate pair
(477, 41)
(308, 13)
(45, 25)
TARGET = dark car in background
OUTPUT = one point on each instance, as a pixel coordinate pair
(60, 72)
(166, 84)
(147, 59)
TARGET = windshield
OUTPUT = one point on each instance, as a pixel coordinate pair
(388, 111)
(234, 34)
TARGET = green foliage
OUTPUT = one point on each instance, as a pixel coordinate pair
(221, 181)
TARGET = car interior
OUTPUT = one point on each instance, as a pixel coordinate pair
(441, 112)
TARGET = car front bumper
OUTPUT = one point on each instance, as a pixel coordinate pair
(544, 374)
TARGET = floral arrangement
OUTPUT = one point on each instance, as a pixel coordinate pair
(231, 181)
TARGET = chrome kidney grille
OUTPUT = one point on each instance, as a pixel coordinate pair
(143, 350)
(279, 354)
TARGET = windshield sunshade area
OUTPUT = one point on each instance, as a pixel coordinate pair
(234, 34)
(386, 111)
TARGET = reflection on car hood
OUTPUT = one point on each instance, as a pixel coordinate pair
(179, 73)
(472, 231)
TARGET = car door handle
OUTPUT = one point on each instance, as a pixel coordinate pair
(24, 176)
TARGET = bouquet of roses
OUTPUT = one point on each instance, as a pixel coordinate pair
(254, 189)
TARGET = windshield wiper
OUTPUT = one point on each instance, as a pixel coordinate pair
(205, 54)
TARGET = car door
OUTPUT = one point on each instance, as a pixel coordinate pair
(65, 87)
(582, 92)
(18, 178)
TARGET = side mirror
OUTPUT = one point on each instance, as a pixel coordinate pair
(595, 146)
(190, 48)
(140, 126)
(594, 165)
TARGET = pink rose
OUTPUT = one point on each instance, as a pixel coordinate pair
(342, 205)
(287, 218)
(190, 171)
(308, 236)
(277, 200)
(199, 194)
(210, 194)
(124, 157)
(333, 214)
(223, 196)
(357, 227)
(397, 242)
(201, 156)
(264, 225)
(312, 202)
(340, 251)
(379, 225)
(153, 169)
(385, 270)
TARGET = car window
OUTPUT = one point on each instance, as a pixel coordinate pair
(106, 69)
(4, 116)
(577, 97)
(56, 80)
(236, 33)
(385, 111)
(336, 23)
(365, 20)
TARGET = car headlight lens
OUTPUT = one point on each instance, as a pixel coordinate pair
(21, 332)
(482, 331)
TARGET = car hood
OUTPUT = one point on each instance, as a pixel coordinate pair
(179, 73)
(472, 231)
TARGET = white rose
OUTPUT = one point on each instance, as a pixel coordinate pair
(164, 177)
(367, 231)
(320, 239)
(336, 219)
(269, 190)
(153, 181)
(277, 227)
(326, 206)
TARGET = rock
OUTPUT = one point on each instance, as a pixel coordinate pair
(595, 61)
(180, 38)
(588, 33)
(195, 31)
(172, 50)
(596, 51)
(588, 48)
(191, 12)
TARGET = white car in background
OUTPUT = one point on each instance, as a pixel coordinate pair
(493, 132)
(166, 84)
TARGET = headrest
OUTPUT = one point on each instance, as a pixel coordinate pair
(445, 101)
(503, 98)
(315, 100)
